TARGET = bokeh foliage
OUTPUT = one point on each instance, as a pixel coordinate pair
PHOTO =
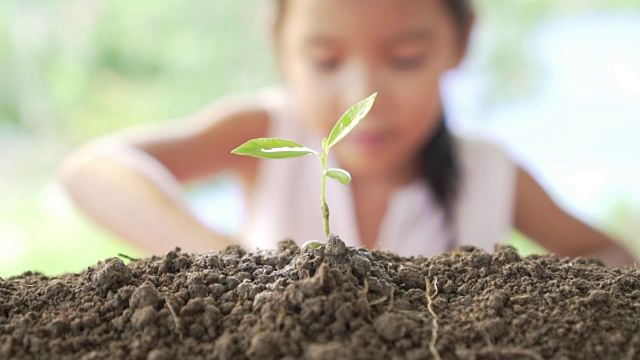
(79, 68)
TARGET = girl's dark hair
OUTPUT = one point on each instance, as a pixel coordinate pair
(439, 167)
(437, 158)
(460, 9)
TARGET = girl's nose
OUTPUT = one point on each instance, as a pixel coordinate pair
(360, 82)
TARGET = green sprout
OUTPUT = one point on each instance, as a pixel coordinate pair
(311, 245)
(274, 148)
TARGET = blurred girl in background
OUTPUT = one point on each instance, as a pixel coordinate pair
(417, 188)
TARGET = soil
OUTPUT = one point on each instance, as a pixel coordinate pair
(333, 302)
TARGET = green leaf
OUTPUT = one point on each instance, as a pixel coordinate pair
(273, 148)
(341, 175)
(350, 119)
(311, 245)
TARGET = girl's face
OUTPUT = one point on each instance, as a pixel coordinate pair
(334, 53)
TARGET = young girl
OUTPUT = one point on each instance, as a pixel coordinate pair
(417, 189)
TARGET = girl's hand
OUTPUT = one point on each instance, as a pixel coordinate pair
(134, 196)
(538, 217)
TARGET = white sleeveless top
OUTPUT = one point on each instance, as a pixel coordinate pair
(286, 198)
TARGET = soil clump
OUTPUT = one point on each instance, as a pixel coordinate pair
(334, 302)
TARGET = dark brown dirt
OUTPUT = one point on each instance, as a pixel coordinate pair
(330, 303)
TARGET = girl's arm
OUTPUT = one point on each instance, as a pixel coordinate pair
(130, 183)
(538, 217)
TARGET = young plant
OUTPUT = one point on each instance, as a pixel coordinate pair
(274, 148)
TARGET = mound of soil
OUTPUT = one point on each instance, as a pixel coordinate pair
(332, 302)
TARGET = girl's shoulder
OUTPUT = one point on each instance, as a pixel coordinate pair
(245, 114)
(233, 120)
(473, 142)
(479, 146)
(488, 177)
(484, 163)
(200, 145)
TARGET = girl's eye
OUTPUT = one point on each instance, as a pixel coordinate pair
(408, 63)
(326, 65)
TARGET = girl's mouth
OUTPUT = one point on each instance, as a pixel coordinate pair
(368, 140)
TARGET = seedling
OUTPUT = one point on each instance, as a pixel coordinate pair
(274, 148)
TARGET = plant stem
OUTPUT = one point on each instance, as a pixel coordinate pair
(323, 202)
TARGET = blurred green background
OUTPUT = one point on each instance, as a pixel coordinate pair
(71, 70)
